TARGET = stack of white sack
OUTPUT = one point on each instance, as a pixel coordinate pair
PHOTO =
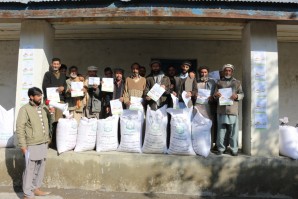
(156, 131)
(180, 140)
(6, 127)
(86, 139)
(131, 122)
(288, 141)
(66, 134)
(201, 134)
(107, 134)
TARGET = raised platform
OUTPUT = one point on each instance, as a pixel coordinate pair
(131, 172)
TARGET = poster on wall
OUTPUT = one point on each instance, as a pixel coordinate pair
(27, 67)
(258, 61)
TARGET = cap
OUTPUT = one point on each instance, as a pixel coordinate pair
(188, 63)
(228, 66)
(92, 68)
(155, 62)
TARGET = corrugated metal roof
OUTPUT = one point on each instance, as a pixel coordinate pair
(259, 1)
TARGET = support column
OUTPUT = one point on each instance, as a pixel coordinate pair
(35, 53)
(261, 92)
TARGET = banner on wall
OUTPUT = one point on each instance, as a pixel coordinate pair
(258, 61)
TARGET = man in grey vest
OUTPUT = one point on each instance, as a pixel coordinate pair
(227, 115)
(33, 127)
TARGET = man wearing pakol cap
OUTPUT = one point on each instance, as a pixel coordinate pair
(157, 76)
(93, 96)
(186, 83)
(227, 115)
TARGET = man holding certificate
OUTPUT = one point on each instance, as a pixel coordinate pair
(157, 89)
(205, 102)
(93, 95)
(75, 93)
(228, 92)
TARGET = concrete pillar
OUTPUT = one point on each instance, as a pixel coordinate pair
(262, 37)
(35, 53)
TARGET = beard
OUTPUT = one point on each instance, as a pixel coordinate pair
(37, 102)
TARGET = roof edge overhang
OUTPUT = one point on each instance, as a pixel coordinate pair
(110, 9)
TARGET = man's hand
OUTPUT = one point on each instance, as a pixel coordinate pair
(234, 97)
(95, 86)
(121, 99)
(128, 103)
(52, 109)
(174, 93)
(60, 89)
(163, 86)
(188, 94)
(217, 94)
(148, 98)
(24, 150)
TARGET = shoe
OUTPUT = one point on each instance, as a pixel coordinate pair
(38, 192)
(219, 152)
(234, 153)
(214, 149)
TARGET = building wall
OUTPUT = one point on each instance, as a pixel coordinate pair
(122, 53)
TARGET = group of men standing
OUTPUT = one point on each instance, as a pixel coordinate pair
(35, 120)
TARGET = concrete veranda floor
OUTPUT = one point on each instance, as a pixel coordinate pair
(9, 193)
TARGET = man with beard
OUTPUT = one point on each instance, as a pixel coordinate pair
(33, 128)
(227, 115)
(134, 85)
(107, 96)
(75, 104)
(186, 83)
(142, 71)
(157, 77)
(93, 96)
(207, 109)
(118, 84)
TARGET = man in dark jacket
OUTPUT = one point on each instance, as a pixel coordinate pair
(93, 97)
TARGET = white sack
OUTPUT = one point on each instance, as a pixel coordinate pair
(131, 122)
(6, 127)
(288, 141)
(66, 134)
(107, 134)
(180, 140)
(86, 139)
(201, 134)
(156, 131)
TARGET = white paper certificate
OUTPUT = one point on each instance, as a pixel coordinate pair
(53, 94)
(76, 89)
(185, 99)
(107, 84)
(203, 95)
(156, 92)
(136, 103)
(93, 81)
(226, 93)
(116, 107)
(175, 101)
